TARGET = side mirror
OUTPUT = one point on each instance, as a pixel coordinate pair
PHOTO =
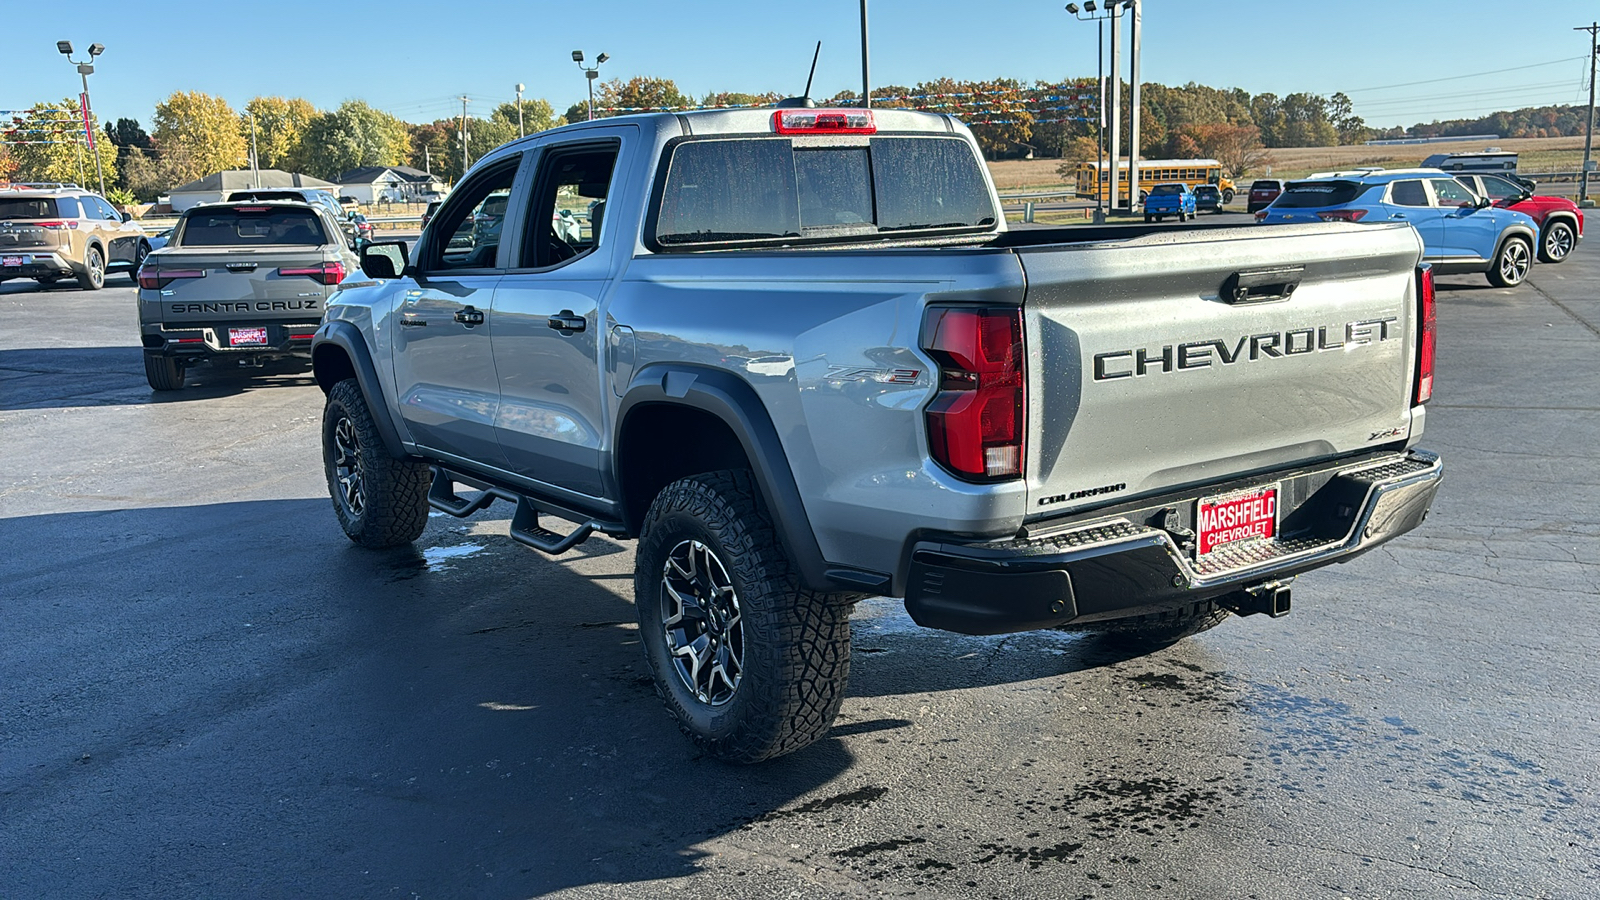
(386, 260)
(127, 217)
(1484, 203)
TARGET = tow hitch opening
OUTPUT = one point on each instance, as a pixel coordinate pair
(1271, 599)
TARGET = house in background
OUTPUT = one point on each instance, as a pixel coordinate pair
(389, 184)
(218, 185)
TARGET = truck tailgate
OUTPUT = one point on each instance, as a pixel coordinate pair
(277, 283)
(1148, 372)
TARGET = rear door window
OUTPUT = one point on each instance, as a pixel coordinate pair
(251, 227)
(1408, 193)
(1451, 193)
(1314, 194)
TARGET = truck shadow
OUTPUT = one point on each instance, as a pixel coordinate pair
(62, 378)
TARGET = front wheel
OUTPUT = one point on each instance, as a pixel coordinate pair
(1512, 264)
(1558, 241)
(138, 260)
(1149, 219)
(1227, 197)
(750, 664)
(380, 501)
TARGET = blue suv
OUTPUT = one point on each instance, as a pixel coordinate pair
(1461, 232)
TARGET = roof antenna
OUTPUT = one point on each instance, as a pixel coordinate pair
(804, 101)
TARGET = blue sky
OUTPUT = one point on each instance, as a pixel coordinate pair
(415, 59)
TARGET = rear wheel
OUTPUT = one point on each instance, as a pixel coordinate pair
(93, 276)
(750, 663)
(138, 260)
(1146, 634)
(163, 372)
(1558, 241)
(1227, 197)
(1512, 264)
(1149, 218)
(380, 501)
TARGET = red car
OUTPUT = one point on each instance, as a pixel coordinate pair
(1262, 192)
(1560, 220)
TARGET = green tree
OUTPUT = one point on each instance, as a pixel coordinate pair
(197, 134)
(280, 126)
(351, 136)
(48, 144)
(537, 115)
(435, 149)
(127, 136)
(737, 99)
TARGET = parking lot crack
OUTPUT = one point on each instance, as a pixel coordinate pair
(1365, 855)
(1564, 308)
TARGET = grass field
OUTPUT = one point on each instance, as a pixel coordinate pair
(1535, 155)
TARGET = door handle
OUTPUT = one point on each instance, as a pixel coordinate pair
(567, 323)
(1398, 216)
(469, 316)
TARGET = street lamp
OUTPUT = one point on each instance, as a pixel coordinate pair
(1089, 13)
(85, 69)
(591, 73)
(520, 88)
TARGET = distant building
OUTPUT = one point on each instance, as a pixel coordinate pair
(218, 185)
(390, 184)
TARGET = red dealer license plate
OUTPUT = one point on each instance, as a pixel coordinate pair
(247, 337)
(1229, 519)
(10, 260)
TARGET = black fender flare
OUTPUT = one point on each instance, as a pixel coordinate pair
(1522, 231)
(345, 339)
(733, 401)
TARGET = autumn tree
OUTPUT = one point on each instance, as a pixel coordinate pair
(198, 134)
(49, 145)
(537, 115)
(280, 127)
(638, 94)
(1237, 147)
(351, 136)
(1077, 151)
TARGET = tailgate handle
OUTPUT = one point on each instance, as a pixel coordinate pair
(1261, 286)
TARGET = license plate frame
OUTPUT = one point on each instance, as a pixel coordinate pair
(247, 337)
(14, 262)
(1227, 520)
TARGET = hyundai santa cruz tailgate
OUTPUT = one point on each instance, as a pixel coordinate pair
(1185, 358)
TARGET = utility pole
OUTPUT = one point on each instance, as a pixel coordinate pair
(520, 88)
(427, 164)
(1100, 129)
(463, 135)
(1115, 87)
(255, 163)
(866, 69)
(1136, 15)
(1588, 131)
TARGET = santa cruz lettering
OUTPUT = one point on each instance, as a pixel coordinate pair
(1141, 361)
(246, 306)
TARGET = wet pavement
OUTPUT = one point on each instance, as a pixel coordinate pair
(207, 691)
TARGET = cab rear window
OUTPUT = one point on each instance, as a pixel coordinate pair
(39, 208)
(247, 227)
(1311, 194)
(1162, 190)
(771, 190)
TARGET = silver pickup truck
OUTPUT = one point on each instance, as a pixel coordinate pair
(797, 355)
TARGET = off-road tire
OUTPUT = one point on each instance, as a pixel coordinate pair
(795, 643)
(138, 260)
(393, 493)
(93, 276)
(1146, 634)
(1505, 270)
(163, 372)
(1557, 242)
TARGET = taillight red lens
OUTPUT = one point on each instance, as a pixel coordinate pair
(1427, 331)
(155, 279)
(824, 121)
(57, 226)
(1342, 215)
(976, 421)
(327, 273)
(1261, 215)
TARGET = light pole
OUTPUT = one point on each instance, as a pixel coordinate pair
(85, 69)
(1588, 131)
(590, 73)
(1090, 12)
(866, 69)
(520, 88)
(1113, 9)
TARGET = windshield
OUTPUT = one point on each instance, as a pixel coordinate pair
(1312, 194)
(768, 189)
(251, 227)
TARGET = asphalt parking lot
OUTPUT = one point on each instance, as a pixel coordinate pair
(209, 692)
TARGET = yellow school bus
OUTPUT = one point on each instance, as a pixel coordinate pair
(1092, 177)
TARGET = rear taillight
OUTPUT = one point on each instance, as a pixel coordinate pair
(1261, 215)
(1342, 215)
(327, 273)
(1427, 331)
(153, 278)
(57, 226)
(976, 420)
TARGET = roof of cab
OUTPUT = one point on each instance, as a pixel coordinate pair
(755, 121)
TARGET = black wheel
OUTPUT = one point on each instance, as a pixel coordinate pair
(93, 276)
(380, 501)
(138, 260)
(163, 372)
(1149, 219)
(751, 664)
(1512, 264)
(1227, 197)
(1557, 242)
(1145, 634)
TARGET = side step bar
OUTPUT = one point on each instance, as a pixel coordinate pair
(525, 527)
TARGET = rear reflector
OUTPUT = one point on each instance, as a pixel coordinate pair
(975, 422)
(327, 273)
(1342, 215)
(1427, 331)
(823, 121)
(155, 279)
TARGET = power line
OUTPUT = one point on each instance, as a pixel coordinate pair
(1385, 87)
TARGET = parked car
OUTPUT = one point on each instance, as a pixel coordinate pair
(1461, 232)
(1208, 197)
(1174, 199)
(363, 230)
(1262, 192)
(49, 232)
(315, 196)
(242, 282)
(350, 204)
(1094, 429)
(427, 214)
(1560, 220)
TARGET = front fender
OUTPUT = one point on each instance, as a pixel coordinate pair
(338, 351)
